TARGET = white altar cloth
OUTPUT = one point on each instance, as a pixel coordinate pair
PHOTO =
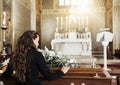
(72, 46)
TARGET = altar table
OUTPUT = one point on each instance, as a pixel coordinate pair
(74, 47)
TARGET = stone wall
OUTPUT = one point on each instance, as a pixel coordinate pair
(116, 27)
(0, 26)
(21, 18)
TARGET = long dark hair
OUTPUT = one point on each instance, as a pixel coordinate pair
(21, 57)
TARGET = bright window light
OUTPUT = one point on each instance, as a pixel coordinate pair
(61, 3)
(67, 2)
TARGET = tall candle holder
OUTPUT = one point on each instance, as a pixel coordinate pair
(4, 28)
(4, 35)
(3, 54)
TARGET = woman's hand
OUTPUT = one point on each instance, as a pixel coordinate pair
(4, 68)
(65, 69)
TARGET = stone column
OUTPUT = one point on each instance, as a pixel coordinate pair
(109, 20)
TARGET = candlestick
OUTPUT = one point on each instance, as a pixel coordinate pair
(4, 36)
(4, 20)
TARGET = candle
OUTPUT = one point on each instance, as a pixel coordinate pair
(57, 18)
(74, 19)
(61, 21)
(61, 30)
(82, 21)
(79, 22)
(66, 23)
(69, 23)
(56, 29)
(87, 21)
(4, 19)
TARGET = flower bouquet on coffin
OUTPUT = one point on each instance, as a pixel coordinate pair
(52, 58)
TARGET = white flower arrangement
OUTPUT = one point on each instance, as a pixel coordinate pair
(4, 63)
(53, 59)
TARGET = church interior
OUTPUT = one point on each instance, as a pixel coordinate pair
(84, 34)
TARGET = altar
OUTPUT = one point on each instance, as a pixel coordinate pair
(74, 45)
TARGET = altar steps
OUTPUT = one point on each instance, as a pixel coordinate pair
(97, 54)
